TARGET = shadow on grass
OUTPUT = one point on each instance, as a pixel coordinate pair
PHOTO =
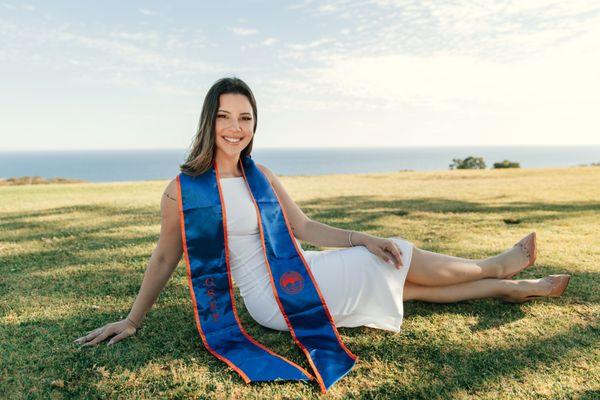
(493, 313)
(42, 345)
(451, 370)
(44, 348)
(358, 211)
(362, 209)
(119, 217)
(75, 251)
(346, 212)
(71, 245)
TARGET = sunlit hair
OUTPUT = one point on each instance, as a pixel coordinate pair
(203, 148)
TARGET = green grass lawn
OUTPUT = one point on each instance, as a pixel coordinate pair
(72, 257)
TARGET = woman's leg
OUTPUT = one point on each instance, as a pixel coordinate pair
(480, 289)
(433, 269)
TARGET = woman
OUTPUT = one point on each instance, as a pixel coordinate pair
(363, 284)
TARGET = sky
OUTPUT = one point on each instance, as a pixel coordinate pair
(332, 73)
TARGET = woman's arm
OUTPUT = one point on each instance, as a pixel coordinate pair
(320, 234)
(164, 258)
(161, 265)
(306, 229)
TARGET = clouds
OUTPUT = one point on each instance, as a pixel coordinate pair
(139, 55)
(144, 59)
(145, 11)
(484, 28)
(243, 31)
(522, 72)
(431, 67)
(24, 7)
(553, 76)
(270, 41)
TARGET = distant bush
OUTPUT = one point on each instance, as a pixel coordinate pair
(468, 163)
(507, 164)
(36, 180)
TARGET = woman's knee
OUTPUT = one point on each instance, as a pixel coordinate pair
(411, 291)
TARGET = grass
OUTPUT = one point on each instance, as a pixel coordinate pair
(72, 257)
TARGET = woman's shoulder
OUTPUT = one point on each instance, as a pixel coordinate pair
(266, 171)
(171, 192)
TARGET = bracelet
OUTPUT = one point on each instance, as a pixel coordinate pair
(350, 238)
(133, 323)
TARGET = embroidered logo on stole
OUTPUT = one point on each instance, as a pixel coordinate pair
(203, 220)
(292, 282)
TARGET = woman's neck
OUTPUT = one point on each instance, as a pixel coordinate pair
(228, 166)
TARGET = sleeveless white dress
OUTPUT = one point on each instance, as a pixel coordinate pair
(360, 289)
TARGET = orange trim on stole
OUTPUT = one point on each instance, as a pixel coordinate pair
(231, 284)
(193, 296)
(355, 357)
(287, 321)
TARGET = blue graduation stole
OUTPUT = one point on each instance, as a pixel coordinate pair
(204, 233)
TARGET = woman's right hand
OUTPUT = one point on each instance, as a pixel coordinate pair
(121, 329)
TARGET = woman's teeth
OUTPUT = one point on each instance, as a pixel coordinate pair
(231, 140)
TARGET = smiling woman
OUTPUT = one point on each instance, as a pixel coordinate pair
(234, 222)
(234, 128)
(229, 110)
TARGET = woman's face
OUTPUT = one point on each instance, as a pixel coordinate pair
(234, 126)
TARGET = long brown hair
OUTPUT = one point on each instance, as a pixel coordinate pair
(202, 151)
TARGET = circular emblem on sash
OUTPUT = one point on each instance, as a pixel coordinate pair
(291, 282)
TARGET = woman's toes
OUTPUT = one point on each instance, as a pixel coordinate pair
(520, 256)
(528, 246)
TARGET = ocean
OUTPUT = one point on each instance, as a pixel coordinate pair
(138, 165)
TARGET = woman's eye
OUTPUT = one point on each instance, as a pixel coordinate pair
(225, 116)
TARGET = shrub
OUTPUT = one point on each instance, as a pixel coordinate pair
(468, 163)
(507, 164)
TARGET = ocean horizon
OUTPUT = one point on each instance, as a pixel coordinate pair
(139, 165)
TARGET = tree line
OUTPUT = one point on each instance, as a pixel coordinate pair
(478, 163)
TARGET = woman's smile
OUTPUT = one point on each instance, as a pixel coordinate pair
(232, 140)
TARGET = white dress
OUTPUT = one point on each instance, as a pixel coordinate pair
(360, 289)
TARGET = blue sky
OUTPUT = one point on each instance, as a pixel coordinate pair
(105, 75)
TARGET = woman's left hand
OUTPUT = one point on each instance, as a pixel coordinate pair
(386, 249)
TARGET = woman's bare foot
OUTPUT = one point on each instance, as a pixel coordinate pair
(519, 291)
(517, 258)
